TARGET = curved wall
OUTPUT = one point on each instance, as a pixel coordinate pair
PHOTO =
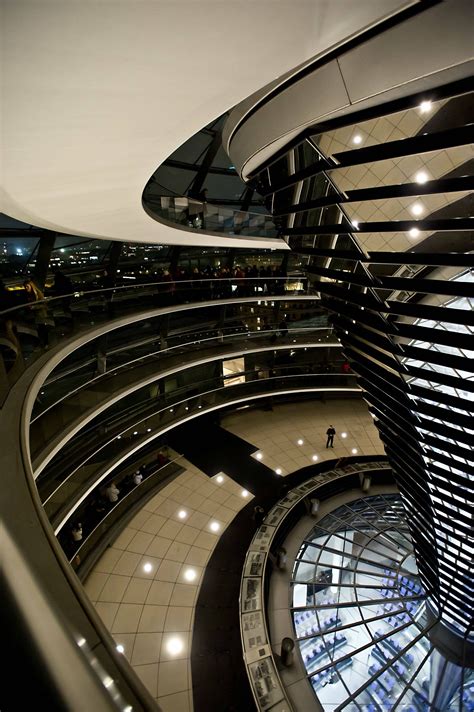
(406, 326)
(96, 95)
(431, 48)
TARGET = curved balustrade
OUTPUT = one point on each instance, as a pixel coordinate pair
(188, 213)
(99, 518)
(63, 485)
(267, 685)
(27, 331)
(121, 389)
(66, 382)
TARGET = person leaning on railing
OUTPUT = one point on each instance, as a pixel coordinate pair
(40, 310)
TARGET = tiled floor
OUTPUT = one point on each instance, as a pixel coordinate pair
(276, 433)
(145, 585)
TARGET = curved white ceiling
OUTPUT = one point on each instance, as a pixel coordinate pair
(98, 93)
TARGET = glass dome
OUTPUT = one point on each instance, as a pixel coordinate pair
(360, 619)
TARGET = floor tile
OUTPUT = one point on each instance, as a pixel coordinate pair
(146, 649)
(152, 619)
(137, 591)
(172, 677)
(114, 588)
(127, 618)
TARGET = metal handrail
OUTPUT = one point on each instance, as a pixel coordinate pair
(163, 352)
(173, 282)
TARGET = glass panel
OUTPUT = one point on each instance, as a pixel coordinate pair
(422, 240)
(393, 127)
(414, 208)
(204, 216)
(356, 575)
(418, 168)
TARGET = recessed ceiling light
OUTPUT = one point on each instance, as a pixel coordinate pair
(315, 458)
(357, 139)
(174, 646)
(425, 106)
(354, 451)
(343, 435)
(182, 514)
(118, 437)
(244, 493)
(300, 441)
(278, 470)
(422, 177)
(148, 430)
(219, 479)
(120, 648)
(214, 526)
(259, 455)
(135, 432)
(417, 209)
(147, 567)
(190, 574)
(355, 223)
(414, 232)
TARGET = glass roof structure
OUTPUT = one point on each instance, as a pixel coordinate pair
(360, 619)
(381, 204)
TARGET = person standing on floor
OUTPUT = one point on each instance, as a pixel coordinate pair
(330, 432)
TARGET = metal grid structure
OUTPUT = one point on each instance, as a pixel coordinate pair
(359, 614)
(380, 203)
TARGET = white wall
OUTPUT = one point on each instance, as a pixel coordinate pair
(97, 93)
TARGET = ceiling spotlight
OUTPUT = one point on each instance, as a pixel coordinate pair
(278, 470)
(118, 437)
(315, 458)
(135, 432)
(190, 574)
(147, 567)
(174, 646)
(425, 106)
(244, 493)
(422, 177)
(120, 648)
(182, 514)
(354, 451)
(300, 441)
(357, 139)
(355, 223)
(414, 232)
(148, 430)
(343, 435)
(417, 209)
(219, 479)
(214, 526)
(259, 456)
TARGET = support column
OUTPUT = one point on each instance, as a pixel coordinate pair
(114, 257)
(46, 245)
(174, 259)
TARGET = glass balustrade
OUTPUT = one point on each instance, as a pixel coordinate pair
(194, 214)
(27, 331)
(146, 353)
(135, 405)
(78, 469)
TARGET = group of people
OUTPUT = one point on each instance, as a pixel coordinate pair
(268, 280)
(104, 500)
